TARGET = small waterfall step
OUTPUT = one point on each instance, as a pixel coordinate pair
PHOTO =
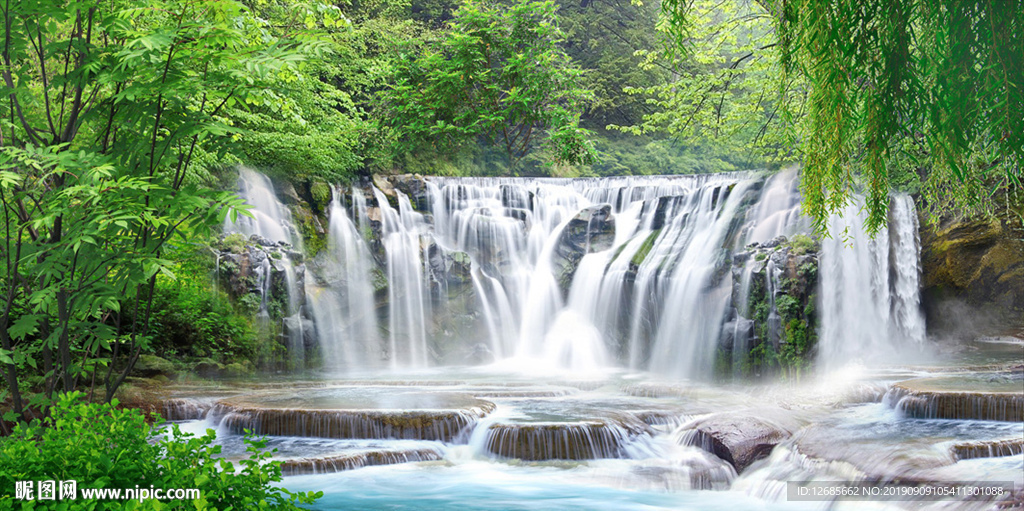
(978, 397)
(352, 461)
(583, 440)
(988, 449)
(353, 412)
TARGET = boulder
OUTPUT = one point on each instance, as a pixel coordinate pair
(736, 438)
(973, 276)
(208, 368)
(150, 366)
(591, 230)
(286, 190)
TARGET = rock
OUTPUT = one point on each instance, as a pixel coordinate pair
(973, 276)
(736, 438)
(208, 368)
(591, 230)
(414, 187)
(384, 185)
(256, 239)
(149, 366)
(321, 193)
(287, 191)
(237, 370)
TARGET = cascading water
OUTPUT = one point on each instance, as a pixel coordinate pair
(587, 273)
(408, 289)
(343, 309)
(870, 297)
(271, 222)
(270, 218)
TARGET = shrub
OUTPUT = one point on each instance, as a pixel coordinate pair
(101, 446)
(801, 244)
(191, 318)
(235, 242)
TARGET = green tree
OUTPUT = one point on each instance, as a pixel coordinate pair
(938, 84)
(727, 97)
(497, 73)
(109, 103)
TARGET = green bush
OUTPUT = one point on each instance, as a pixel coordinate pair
(801, 244)
(788, 307)
(192, 319)
(235, 242)
(101, 446)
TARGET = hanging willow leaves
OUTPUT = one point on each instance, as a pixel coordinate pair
(939, 84)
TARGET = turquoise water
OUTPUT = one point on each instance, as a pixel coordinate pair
(488, 486)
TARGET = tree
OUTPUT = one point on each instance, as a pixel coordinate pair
(609, 39)
(497, 73)
(109, 103)
(727, 95)
(938, 84)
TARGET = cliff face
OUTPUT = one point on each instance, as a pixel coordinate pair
(973, 274)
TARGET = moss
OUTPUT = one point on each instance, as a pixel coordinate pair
(801, 244)
(321, 194)
(645, 248)
(761, 256)
(235, 242)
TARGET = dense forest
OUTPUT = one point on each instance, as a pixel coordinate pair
(123, 123)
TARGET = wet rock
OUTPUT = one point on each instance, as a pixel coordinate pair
(414, 187)
(591, 230)
(286, 190)
(736, 438)
(256, 239)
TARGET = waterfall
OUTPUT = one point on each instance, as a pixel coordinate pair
(271, 222)
(408, 289)
(870, 297)
(650, 273)
(270, 218)
(343, 310)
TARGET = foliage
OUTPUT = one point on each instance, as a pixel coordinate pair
(939, 83)
(110, 103)
(727, 93)
(609, 39)
(801, 244)
(193, 319)
(101, 446)
(497, 73)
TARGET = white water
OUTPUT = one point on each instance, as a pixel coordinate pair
(273, 221)
(270, 218)
(870, 288)
(653, 291)
(343, 309)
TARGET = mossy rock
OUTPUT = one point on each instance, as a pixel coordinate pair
(237, 369)
(208, 368)
(149, 366)
(321, 194)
